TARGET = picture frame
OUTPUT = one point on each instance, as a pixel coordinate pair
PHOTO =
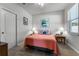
(44, 22)
(25, 20)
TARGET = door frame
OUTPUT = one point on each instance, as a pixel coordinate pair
(15, 23)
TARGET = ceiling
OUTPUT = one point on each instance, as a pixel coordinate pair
(34, 9)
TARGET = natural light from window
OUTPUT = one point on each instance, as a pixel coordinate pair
(73, 18)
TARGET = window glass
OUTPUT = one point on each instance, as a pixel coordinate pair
(73, 18)
(74, 26)
(74, 12)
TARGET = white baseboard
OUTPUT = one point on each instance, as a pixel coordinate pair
(73, 48)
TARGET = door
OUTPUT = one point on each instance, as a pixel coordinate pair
(10, 28)
(0, 26)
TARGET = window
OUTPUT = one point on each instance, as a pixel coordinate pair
(73, 18)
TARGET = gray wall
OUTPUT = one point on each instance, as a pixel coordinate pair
(55, 20)
(21, 29)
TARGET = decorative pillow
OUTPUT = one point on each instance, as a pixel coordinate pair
(44, 32)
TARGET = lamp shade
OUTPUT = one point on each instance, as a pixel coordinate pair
(34, 30)
(61, 29)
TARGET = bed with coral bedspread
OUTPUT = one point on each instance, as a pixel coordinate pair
(44, 41)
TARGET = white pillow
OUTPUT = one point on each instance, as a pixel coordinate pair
(30, 32)
(36, 32)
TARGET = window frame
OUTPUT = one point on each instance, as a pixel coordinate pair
(70, 21)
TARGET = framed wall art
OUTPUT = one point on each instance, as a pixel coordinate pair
(25, 20)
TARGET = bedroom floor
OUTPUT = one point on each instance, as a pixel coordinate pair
(20, 51)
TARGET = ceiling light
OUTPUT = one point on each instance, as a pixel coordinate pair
(40, 4)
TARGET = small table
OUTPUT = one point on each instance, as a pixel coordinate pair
(62, 38)
(3, 49)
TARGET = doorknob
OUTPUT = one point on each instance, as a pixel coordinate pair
(2, 32)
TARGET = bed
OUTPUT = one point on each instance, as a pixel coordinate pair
(44, 41)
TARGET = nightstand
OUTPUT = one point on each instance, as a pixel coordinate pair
(60, 38)
(3, 49)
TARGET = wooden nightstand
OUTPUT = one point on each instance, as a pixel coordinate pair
(3, 49)
(61, 38)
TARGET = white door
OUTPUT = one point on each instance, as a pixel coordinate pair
(0, 26)
(10, 28)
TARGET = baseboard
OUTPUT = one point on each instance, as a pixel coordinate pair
(73, 48)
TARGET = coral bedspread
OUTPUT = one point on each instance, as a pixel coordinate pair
(45, 41)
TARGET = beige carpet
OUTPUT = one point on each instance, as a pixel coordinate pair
(66, 50)
(20, 51)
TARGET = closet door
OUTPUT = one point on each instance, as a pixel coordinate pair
(0, 25)
(10, 28)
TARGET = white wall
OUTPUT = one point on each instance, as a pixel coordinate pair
(73, 40)
(21, 29)
(55, 20)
